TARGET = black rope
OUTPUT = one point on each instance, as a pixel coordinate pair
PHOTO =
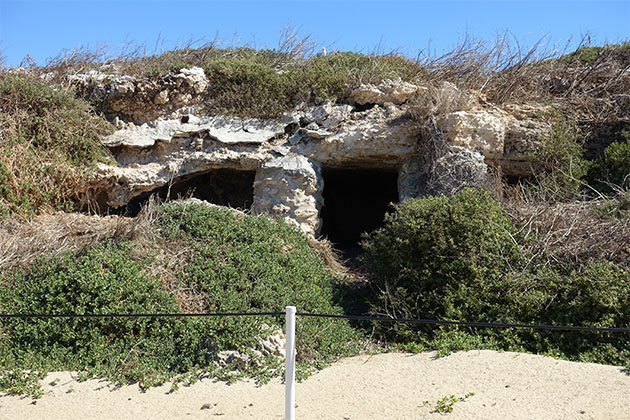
(306, 314)
(466, 324)
(146, 315)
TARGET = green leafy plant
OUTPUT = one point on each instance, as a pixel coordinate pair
(459, 258)
(442, 257)
(618, 207)
(614, 166)
(266, 83)
(238, 263)
(244, 263)
(102, 280)
(445, 405)
(559, 165)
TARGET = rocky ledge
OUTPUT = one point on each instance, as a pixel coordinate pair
(164, 137)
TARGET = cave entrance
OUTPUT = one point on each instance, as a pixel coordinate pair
(355, 201)
(224, 187)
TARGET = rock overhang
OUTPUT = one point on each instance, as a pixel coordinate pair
(288, 154)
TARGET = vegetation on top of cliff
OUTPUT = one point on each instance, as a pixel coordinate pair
(264, 82)
(48, 137)
(589, 55)
(247, 87)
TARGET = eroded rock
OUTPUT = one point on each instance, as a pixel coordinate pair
(223, 129)
(506, 138)
(481, 131)
(141, 100)
(271, 343)
(163, 139)
(290, 187)
(393, 91)
(459, 169)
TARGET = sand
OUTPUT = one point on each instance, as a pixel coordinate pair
(385, 386)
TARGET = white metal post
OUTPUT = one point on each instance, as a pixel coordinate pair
(289, 410)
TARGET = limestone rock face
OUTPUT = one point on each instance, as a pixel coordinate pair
(524, 132)
(374, 138)
(412, 177)
(290, 187)
(506, 138)
(459, 169)
(480, 131)
(285, 156)
(394, 91)
(141, 100)
(164, 138)
(222, 129)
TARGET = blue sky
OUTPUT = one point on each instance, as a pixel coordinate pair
(43, 28)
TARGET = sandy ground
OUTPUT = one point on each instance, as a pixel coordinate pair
(385, 386)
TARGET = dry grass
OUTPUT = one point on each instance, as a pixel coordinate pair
(574, 233)
(331, 257)
(584, 82)
(47, 139)
(170, 258)
(22, 242)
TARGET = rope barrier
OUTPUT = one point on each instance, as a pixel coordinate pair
(349, 317)
(147, 315)
(465, 323)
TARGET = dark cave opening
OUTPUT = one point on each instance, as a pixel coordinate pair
(224, 187)
(355, 201)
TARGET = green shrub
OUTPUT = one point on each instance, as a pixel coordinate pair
(596, 295)
(559, 165)
(590, 55)
(615, 164)
(618, 207)
(237, 263)
(266, 83)
(101, 280)
(586, 55)
(441, 257)
(247, 88)
(458, 258)
(244, 263)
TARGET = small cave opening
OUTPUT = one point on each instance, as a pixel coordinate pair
(355, 201)
(224, 187)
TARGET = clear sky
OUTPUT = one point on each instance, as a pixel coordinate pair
(43, 28)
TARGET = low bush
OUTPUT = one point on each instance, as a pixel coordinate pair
(433, 255)
(266, 83)
(104, 279)
(559, 165)
(244, 263)
(101, 280)
(459, 258)
(238, 263)
(612, 170)
(589, 55)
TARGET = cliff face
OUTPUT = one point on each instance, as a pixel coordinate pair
(165, 138)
